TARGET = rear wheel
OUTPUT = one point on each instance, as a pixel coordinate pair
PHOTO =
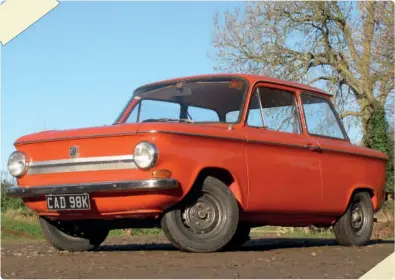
(73, 236)
(205, 223)
(355, 227)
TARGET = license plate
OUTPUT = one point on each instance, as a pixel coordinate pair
(68, 202)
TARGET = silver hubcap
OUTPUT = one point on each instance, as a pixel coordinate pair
(201, 217)
(356, 217)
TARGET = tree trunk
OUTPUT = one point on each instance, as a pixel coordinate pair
(367, 113)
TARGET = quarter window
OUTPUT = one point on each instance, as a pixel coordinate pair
(320, 118)
(274, 109)
(133, 115)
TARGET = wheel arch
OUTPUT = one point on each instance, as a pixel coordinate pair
(225, 176)
(367, 189)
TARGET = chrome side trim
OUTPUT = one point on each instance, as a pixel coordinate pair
(81, 168)
(139, 185)
(82, 164)
(81, 160)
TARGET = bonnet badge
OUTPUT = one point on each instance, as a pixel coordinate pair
(73, 151)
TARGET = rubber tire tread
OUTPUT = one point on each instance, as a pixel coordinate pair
(342, 228)
(171, 225)
(241, 236)
(63, 242)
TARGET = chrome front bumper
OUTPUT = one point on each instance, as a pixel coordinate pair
(141, 185)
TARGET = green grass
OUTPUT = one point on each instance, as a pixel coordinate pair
(274, 231)
(14, 229)
(136, 231)
(24, 225)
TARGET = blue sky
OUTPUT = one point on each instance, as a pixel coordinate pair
(79, 64)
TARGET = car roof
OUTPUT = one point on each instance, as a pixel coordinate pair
(252, 78)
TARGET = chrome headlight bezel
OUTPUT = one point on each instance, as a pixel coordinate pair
(17, 164)
(151, 151)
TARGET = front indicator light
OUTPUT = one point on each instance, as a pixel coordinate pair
(163, 173)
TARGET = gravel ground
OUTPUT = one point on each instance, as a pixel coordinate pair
(154, 257)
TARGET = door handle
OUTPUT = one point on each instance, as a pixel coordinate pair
(313, 148)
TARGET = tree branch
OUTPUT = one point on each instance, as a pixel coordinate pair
(342, 24)
(348, 113)
(320, 78)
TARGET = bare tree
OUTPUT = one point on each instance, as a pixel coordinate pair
(345, 47)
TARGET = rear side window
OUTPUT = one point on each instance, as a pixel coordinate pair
(320, 117)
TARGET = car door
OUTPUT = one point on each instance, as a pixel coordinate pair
(282, 160)
(324, 126)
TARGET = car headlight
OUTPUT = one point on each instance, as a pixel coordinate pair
(145, 155)
(17, 165)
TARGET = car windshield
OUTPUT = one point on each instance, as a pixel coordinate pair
(203, 100)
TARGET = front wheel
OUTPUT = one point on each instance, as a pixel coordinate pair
(355, 227)
(73, 236)
(207, 222)
(241, 236)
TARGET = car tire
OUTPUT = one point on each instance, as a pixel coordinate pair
(241, 236)
(205, 222)
(355, 227)
(72, 236)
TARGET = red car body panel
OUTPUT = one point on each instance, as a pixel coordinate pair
(279, 178)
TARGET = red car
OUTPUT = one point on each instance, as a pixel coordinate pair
(205, 158)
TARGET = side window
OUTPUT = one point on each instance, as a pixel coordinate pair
(254, 117)
(274, 109)
(320, 117)
(202, 114)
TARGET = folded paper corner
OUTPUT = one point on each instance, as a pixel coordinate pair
(18, 15)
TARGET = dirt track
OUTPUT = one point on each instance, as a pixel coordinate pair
(153, 257)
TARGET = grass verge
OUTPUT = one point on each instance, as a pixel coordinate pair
(22, 224)
(19, 229)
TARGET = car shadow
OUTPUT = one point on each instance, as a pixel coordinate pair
(256, 244)
(267, 244)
